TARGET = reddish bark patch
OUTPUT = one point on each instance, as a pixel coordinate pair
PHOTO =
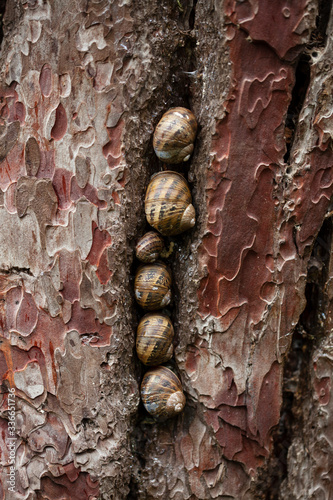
(60, 125)
(45, 80)
(85, 322)
(267, 20)
(116, 197)
(101, 240)
(236, 251)
(32, 156)
(312, 195)
(61, 183)
(103, 272)
(11, 109)
(69, 485)
(53, 434)
(88, 191)
(112, 150)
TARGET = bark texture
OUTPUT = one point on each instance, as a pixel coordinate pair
(83, 84)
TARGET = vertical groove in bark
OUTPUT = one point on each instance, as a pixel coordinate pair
(2, 12)
(297, 381)
(173, 70)
(308, 382)
(302, 80)
(288, 477)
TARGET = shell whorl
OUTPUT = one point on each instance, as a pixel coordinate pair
(149, 247)
(152, 286)
(154, 339)
(174, 135)
(176, 402)
(162, 393)
(188, 218)
(167, 199)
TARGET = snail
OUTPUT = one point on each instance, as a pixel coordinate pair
(154, 339)
(174, 135)
(168, 204)
(162, 393)
(149, 247)
(152, 286)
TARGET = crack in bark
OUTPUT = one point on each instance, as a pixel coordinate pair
(318, 39)
(191, 20)
(181, 71)
(302, 81)
(296, 369)
(2, 13)
(16, 270)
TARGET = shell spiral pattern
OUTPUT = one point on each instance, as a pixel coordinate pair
(154, 339)
(174, 135)
(149, 247)
(152, 286)
(169, 210)
(162, 393)
(168, 203)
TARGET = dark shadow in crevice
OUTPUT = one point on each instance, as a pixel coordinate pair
(192, 15)
(302, 81)
(317, 41)
(296, 375)
(319, 35)
(2, 13)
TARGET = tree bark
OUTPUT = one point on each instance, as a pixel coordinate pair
(83, 84)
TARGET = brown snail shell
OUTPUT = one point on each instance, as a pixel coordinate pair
(154, 339)
(149, 247)
(174, 135)
(162, 393)
(168, 203)
(152, 286)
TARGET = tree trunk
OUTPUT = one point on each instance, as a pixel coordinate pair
(83, 84)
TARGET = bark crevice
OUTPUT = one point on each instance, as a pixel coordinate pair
(173, 89)
(2, 13)
(302, 81)
(297, 367)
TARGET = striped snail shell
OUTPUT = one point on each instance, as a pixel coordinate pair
(174, 135)
(168, 203)
(162, 393)
(149, 247)
(152, 286)
(154, 339)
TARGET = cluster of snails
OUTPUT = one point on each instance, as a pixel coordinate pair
(169, 210)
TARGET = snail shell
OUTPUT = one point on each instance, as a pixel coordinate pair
(174, 135)
(162, 393)
(154, 339)
(149, 247)
(152, 286)
(168, 203)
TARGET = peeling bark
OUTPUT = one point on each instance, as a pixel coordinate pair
(82, 86)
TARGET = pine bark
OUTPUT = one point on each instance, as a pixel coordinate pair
(83, 84)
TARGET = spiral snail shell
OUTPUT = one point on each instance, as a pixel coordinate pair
(154, 339)
(149, 247)
(162, 393)
(152, 286)
(168, 203)
(174, 135)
